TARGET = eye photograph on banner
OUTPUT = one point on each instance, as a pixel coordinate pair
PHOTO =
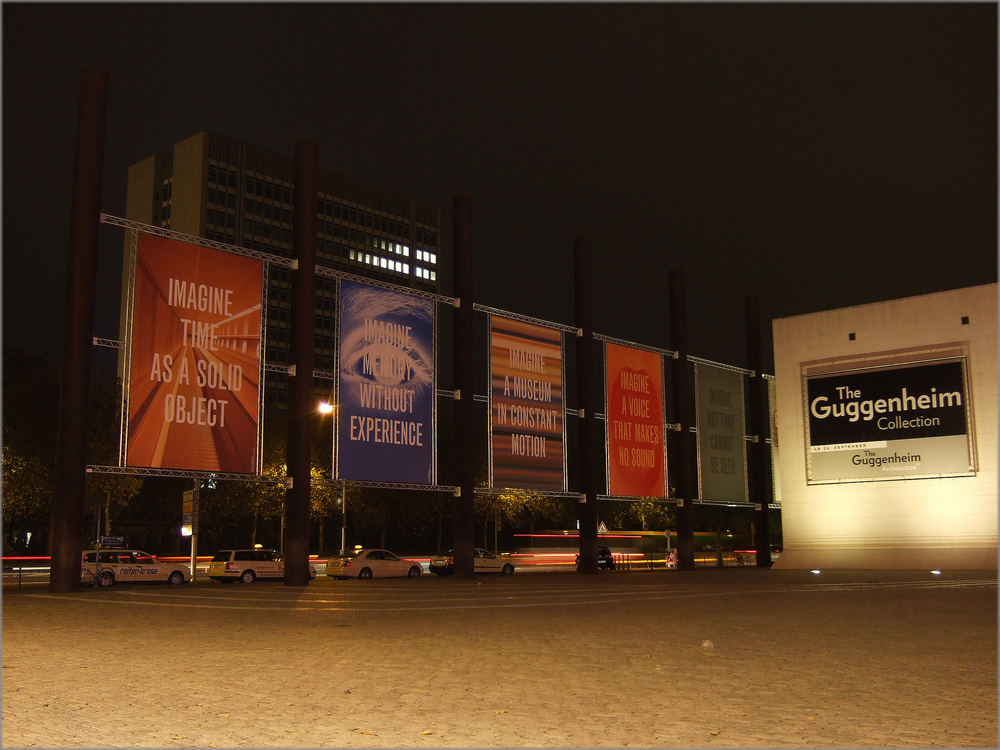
(634, 422)
(194, 361)
(386, 419)
(526, 406)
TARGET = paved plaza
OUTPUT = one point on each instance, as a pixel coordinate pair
(706, 658)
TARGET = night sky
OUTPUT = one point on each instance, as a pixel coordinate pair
(814, 155)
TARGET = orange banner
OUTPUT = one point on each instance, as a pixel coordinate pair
(635, 422)
(194, 388)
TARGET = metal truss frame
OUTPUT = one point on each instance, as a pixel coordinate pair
(129, 271)
(543, 493)
(525, 318)
(332, 273)
(369, 484)
(200, 241)
(633, 345)
(693, 501)
(721, 366)
(181, 474)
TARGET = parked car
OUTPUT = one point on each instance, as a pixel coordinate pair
(372, 563)
(247, 565)
(605, 560)
(483, 561)
(107, 567)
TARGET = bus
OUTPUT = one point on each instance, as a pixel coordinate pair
(632, 550)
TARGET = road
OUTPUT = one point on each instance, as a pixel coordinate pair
(734, 657)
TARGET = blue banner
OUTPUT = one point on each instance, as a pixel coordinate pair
(385, 424)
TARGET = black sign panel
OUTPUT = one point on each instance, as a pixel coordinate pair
(919, 401)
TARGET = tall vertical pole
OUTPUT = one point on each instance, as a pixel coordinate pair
(586, 403)
(195, 502)
(81, 285)
(302, 406)
(759, 421)
(343, 518)
(463, 520)
(684, 413)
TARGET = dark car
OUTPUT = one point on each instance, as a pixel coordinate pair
(605, 560)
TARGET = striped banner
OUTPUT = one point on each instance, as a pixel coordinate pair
(526, 406)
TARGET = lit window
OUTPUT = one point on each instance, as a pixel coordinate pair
(406, 251)
(398, 249)
(384, 263)
(406, 268)
(368, 258)
(434, 275)
(352, 255)
(434, 258)
(383, 244)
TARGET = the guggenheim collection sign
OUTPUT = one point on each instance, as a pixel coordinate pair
(898, 421)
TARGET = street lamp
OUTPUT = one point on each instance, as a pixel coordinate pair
(324, 408)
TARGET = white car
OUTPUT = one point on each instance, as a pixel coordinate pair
(247, 565)
(483, 561)
(107, 567)
(372, 563)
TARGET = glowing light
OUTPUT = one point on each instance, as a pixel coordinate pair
(816, 571)
(565, 535)
(325, 407)
(936, 572)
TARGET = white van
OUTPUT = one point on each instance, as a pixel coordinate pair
(247, 565)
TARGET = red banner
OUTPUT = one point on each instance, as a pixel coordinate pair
(194, 387)
(635, 422)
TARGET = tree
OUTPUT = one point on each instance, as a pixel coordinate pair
(27, 493)
(30, 408)
(372, 511)
(323, 500)
(528, 508)
(109, 492)
(106, 491)
(644, 514)
(490, 508)
(264, 500)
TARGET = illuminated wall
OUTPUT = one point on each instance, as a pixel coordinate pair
(889, 522)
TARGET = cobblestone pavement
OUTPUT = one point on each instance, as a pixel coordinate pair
(704, 658)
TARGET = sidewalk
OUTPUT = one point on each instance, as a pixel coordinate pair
(734, 657)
